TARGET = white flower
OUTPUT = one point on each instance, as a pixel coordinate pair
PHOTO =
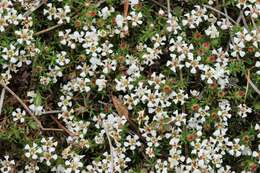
(179, 97)
(133, 2)
(18, 115)
(10, 54)
(236, 149)
(194, 93)
(175, 63)
(49, 144)
(33, 151)
(173, 25)
(3, 22)
(7, 165)
(119, 20)
(62, 14)
(191, 21)
(244, 36)
(124, 84)
(74, 164)
(243, 110)
(132, 142)
(65, 102)
(179, 118)
(101, 83)
(105, 12)
(24, 36)
(48, 156)
(212, 32)
(193, 63)
(257, 65)
(106, 48)
(62, 60)
(158, 40)
(51, 12)
(37, 110)
(135, 18)
(224, 24)
(109, 65)
(209, 74)
(161, 12)
(161, 167)
(238, 49)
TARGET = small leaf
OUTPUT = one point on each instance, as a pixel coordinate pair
(120, 107)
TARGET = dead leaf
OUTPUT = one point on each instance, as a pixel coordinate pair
(120, 107)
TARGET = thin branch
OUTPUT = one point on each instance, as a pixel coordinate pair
(52, 129)
(58, 25)
(2, 100)
(126, 6)
(220, 12)
(100, 2)
(61, 126)
(47, 30)
(111, 148)
(159, 4)
(23, 104)
(31, 10)
(253, 22)
(247, 85)
(52, 112)
(28, 110)
(244, 20)
(252, 84)
(169, 9)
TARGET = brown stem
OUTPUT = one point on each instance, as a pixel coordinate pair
(2, 100)
(220, 12)
(52, 129)
(47, 30)
(23, 104)
(126, 6)
(61, 126)
(252, 84)
(30, 11)
(52, 112)
(28, 110)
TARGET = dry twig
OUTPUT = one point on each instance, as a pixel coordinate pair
(126, 6)
(111, 148)
(252, 84)
(29, 111)
(61, 126)
(2, 100)
(30, 11)
(220, 12)
(169, 9)
(58, 25)
(47, 30)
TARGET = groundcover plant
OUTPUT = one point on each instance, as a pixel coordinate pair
(131, 86)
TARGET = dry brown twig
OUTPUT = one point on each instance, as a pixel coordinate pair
(169, 9)
(220, 12)
(2, 100)
(29, 111)
(111, 148)
(58, 25)
(47, 30)
(52, 112)
(61, 126)
(126, 6)
(31, 10)
(252, 84)
(247, 85)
